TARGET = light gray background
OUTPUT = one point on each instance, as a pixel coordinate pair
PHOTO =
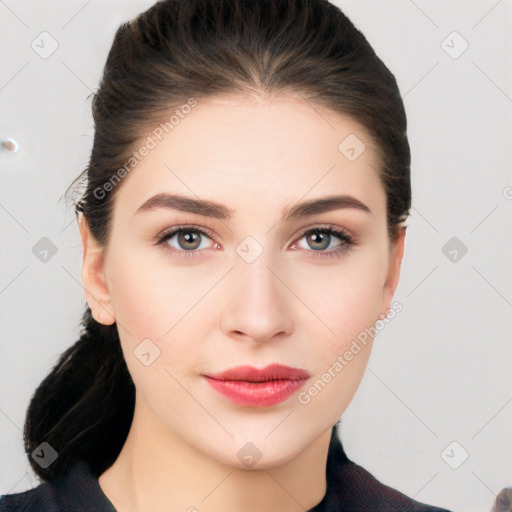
(440, 371)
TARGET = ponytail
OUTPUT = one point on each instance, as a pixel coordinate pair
(84, 407)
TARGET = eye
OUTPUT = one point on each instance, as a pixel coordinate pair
(188, 240)
(320, 238)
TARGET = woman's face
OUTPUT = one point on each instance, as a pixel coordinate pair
(256, 288)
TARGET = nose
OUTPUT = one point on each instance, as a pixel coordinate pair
(259, 305)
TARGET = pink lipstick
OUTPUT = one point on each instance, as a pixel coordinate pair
(246, 385)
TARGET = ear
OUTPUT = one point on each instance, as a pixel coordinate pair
(93, 276)
(395, 263)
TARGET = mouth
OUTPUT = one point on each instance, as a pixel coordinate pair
(254, 387)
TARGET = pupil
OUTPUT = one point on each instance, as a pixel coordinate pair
(320, 235)
(189, 236)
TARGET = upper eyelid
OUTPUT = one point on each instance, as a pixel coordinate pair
(186, 227)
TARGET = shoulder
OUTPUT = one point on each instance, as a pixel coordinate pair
(77, 491)
(41, 498)
(360, 491)
(351, 487)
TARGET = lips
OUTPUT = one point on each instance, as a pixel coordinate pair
(258, 387)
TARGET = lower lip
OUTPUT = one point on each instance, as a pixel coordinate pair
(256, 394)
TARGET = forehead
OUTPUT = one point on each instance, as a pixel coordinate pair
(237, 151)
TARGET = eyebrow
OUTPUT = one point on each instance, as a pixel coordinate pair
(219, 211)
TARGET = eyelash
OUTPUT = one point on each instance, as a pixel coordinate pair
(342, 235)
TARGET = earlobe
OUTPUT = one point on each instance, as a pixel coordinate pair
(393, 276)
(93, 276)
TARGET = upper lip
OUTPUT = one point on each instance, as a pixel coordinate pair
(252, 374)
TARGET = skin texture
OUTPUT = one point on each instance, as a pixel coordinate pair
(215, 311)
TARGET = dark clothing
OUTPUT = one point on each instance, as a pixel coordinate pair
(350, 488)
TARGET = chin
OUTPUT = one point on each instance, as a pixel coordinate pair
(253, 452)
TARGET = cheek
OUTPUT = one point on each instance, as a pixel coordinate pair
(158, 303)
(346, 298)
(151, 296)
(349, 305)
(138, 300)
(338, 359)
(150, 308)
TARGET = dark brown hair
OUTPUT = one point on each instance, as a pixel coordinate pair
(174, 51)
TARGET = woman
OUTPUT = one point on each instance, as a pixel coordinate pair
(243, 232)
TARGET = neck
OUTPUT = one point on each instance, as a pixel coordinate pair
(157, 470)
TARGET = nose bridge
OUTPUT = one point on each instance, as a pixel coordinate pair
(257, 304)
(254, 267)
